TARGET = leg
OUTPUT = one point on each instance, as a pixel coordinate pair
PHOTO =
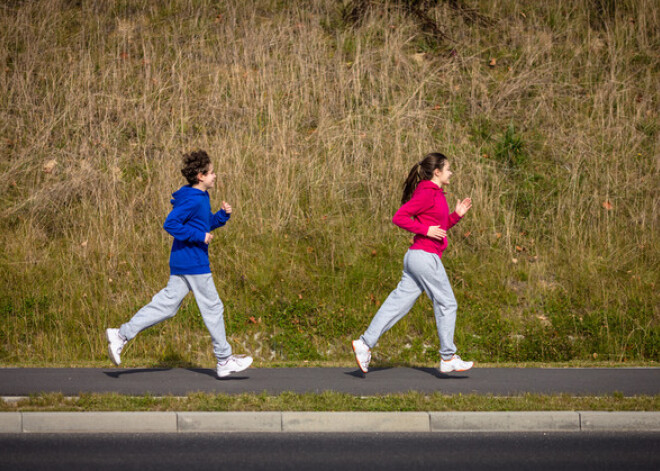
(397, 305)
(431, 274)
(164, 305)
(211, 308)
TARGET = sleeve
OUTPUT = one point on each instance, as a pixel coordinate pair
(219, 219)
(453, 219)
(176, 226)
(419, 203)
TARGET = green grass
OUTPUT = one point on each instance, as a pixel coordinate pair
(314, 113)
(331, 401)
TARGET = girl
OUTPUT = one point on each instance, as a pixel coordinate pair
(425, 213)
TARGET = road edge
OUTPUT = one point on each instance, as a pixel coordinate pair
(315, 422)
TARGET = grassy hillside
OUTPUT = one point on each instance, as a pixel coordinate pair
(313, 112)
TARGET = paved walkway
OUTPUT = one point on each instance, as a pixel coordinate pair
(179, 382)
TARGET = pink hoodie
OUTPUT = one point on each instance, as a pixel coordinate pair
(427, 207)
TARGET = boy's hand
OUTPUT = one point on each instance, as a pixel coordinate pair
(208, 238)
(226, 207)
(435, 232)
(463, 207)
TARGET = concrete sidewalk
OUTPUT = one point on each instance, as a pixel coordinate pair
(313, 422)
(178, 381)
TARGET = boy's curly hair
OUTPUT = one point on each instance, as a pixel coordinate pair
(194, 163)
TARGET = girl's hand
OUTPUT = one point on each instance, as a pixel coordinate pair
(435, 232)
(208, 238)
(463, 207)
(226, 207)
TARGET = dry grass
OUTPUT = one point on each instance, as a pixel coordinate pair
(313, 121)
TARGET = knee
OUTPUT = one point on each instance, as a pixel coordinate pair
(214, 307)
(217, 306)
(447, 308)
(171, 308)
(452, 306)
(164, 303)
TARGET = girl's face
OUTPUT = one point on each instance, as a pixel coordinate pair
(441, 177)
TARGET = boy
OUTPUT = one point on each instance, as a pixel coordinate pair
(190, 223)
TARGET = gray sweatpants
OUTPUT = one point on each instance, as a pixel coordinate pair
(422, 272)
(166, 303)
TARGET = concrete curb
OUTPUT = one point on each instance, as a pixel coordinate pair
(312, 422)
(355, 422)
(559, 421)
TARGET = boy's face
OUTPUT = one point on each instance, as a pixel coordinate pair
(206, 180)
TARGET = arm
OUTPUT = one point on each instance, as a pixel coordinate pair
(453, 219)
(462, 207)
(220, 218)
(419, 203)
(176, 226)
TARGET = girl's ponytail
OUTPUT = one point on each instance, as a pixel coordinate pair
(422, 170)
(411, 183)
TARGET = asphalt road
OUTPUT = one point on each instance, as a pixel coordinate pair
(178, 381)
(393, 451)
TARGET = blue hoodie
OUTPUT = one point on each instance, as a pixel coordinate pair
(188, 222)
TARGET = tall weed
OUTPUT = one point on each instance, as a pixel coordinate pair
(548, 112)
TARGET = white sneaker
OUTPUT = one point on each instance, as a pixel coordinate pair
(115, 345)
(455, 364)
(233, 364)
(362, 354)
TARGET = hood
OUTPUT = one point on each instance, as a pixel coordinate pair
(186, 193)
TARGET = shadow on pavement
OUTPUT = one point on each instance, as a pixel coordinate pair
(355, 374)
(213, 375)
(360, 374)
(435, 372)
(118, 373)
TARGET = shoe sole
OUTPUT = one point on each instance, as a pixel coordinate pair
(356, 359)
(224, 374)
(110, 354)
